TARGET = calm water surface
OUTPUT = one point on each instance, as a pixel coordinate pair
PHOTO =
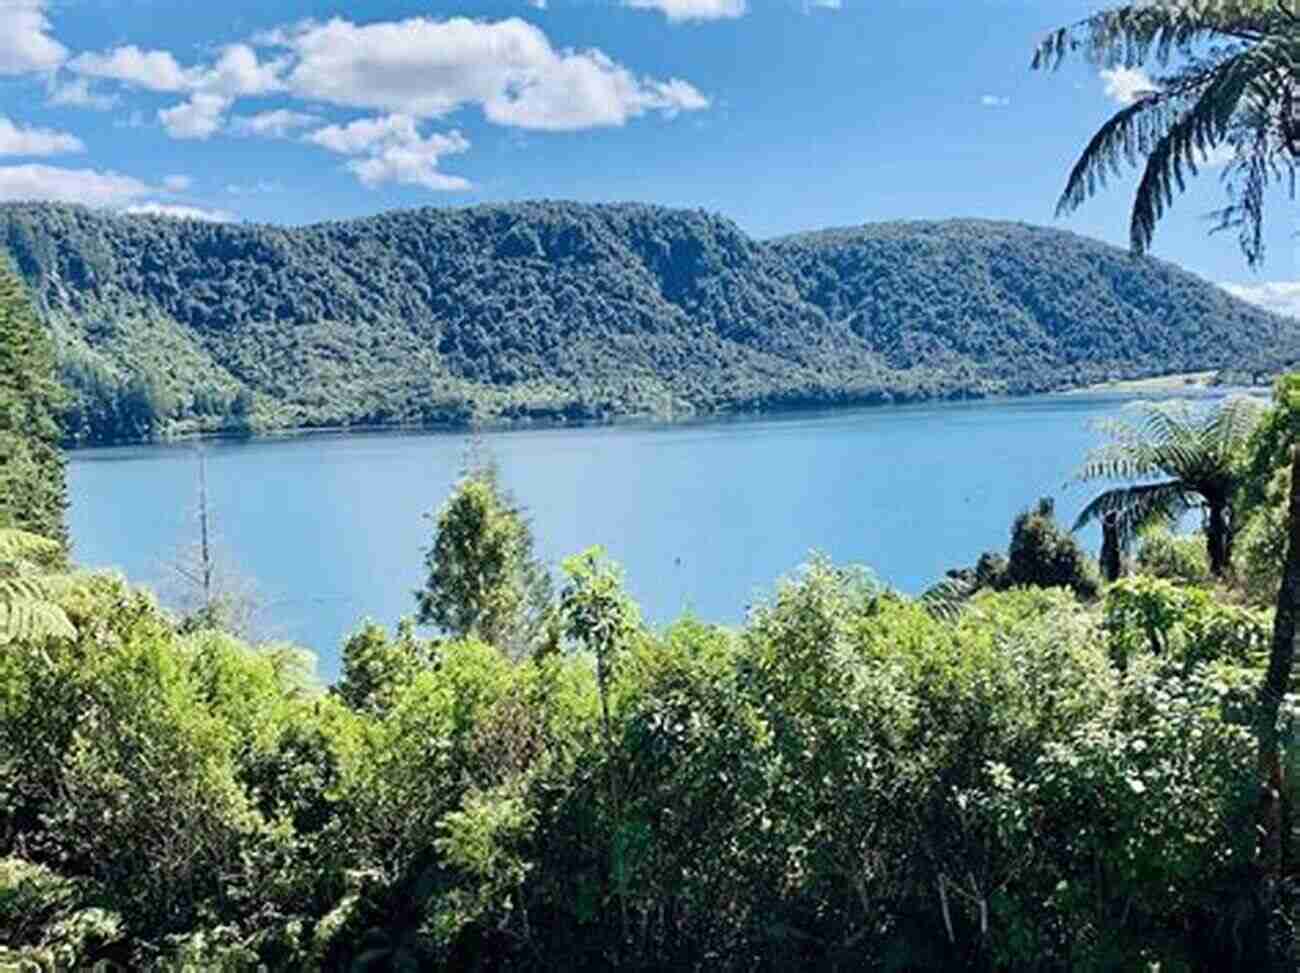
(330, 528)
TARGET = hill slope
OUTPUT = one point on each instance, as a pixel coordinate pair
(552, 310)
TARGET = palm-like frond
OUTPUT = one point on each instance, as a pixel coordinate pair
(1136, 33)
(29, 611)
(33, 620)
(945, 600)
(24, 546)
(1136, 508)
(1174, 439)
(1235, 86)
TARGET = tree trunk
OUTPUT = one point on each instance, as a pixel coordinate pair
(1216, 538)
(1111, 563)
(1276, 684)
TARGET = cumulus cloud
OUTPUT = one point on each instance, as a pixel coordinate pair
(679, 10)
(391, 149)
(93, 187)
(1124, 85)
(279, 123)
(25, 41)
(177, 184)
(994, 101)
(154, 70)
(199, 118)
(179, 212)
(1281, 297)
(16, 140)
(427, 68)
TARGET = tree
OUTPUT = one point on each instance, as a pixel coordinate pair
(1044, 555)
(33, 485)
(1233, 86)
(1176, 459)
(483, 579)
(207, 591)
(1236, 86)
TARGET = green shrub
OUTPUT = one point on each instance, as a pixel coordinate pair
(1042, 554)
(1163, 554)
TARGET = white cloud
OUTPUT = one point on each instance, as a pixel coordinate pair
(811, 5)
(154, 70)
(199, 118)
(391, 149)
(1281, 297)
(25, 41)
(78, 93)
(537, 4)
(426, 68)
(92, 187)
(257, 188)
(994, 101)
(1124, 85)
(16, 140)
(679, 10)
(177, 212)
(177, 184)
(279, 123)
(238, 72)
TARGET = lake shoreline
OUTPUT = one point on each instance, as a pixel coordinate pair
(1176, 384)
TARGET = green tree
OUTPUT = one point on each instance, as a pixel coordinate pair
(483, 579)
(1226, 78)
(33, 487)
(1044, 555)
(1175, 459)
(1235, 85)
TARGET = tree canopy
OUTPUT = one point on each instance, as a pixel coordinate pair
(563, 311)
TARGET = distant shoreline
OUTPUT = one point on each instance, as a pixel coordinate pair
(1182, 381)
(1196, 383)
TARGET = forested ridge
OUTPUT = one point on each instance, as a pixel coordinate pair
(553, 310)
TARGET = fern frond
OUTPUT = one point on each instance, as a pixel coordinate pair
(1232, 424)
(20, 545)
(1136, 508)
(1198, 128)
(946, 600)
(1139, 32)
(33, 620)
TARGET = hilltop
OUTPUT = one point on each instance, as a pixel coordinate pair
(553, 310)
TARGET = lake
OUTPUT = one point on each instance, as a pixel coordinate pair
(704, 517)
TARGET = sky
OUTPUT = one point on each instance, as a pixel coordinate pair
(783, 115)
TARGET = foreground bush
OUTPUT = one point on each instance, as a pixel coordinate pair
(846, 782)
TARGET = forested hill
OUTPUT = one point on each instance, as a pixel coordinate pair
(549, 310)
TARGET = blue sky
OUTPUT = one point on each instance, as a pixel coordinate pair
(784, 115)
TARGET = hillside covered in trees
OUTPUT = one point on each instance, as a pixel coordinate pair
(569, 311)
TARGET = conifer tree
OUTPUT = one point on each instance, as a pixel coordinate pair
(33, 483)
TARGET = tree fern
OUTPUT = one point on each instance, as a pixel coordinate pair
(28, 609)
(1228, 77)
(1183, 458)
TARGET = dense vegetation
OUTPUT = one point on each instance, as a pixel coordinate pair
(33, 489)
(564, 311)
(1037, 780)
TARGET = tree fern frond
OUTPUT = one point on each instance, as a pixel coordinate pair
(1195, 130)
(1229, 427)
(945, 600)
(1120, 140)
(21, 545)
(1136, 508)
(33, 620)
(1138, 32)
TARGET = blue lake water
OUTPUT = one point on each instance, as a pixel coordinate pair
(330, 529)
